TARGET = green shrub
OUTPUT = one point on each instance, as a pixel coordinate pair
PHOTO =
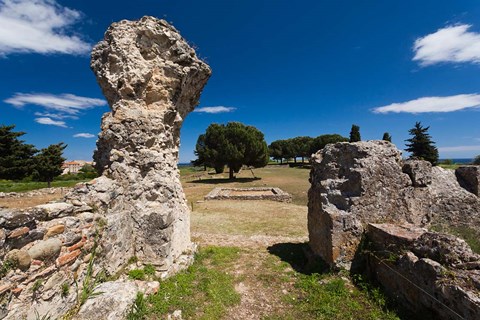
(136, 274)
(476, 160)
(149, 270)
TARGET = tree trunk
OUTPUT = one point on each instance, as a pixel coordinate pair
(281, 161)
(49, 183)
(295, 160)
(204, 167)
(231, 176)
(303, 159)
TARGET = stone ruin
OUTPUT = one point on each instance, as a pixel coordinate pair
(152, 79)
(135, 213)
(364, 196)
(254, 193)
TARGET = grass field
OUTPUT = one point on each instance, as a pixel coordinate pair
(13, 186)
(197, 184)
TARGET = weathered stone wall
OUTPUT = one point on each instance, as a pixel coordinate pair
(152, 79)
(353, 184)
(430, 275)
(52, 253)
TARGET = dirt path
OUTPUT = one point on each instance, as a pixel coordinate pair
(262, 295)
(241, 241)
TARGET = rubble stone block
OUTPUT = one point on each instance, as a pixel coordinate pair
(469, 178)
(420, 171)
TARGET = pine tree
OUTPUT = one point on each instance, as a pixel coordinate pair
(421, 145)
(275, 150)
(234, 144)
(387, 137)
(48, 163)
(321, 141)
(355, 133)
(16, 157)
(200, 152)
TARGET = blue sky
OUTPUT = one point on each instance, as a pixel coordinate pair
(290, 68)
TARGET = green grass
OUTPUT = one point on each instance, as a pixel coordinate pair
(138, 310)
(136, 274)
(203, 291)
(12, 186)
(331, 297)
(453, 166)
(319, 295)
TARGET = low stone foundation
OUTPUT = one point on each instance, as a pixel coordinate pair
(274, 194)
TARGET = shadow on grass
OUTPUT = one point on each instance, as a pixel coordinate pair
(225, 180)
(296, 254)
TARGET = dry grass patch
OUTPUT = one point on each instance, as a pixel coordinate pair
(249, 218)
(27, 202)
(198, 184)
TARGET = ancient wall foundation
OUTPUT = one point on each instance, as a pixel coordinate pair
(254, 193)
(431, 275)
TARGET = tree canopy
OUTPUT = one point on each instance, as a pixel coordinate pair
(301, 147)
(234, 145)
(387, 137)
(16, 157)
(48, 163)
(420, 145)
(321, 141)
(19, 160)
(476, 160)
(355, 133)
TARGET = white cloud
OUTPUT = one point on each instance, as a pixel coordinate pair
(83, 135)
(38, 26)
(449, 44)
(219, 109)
(55, 115)
(459, 149)
(433, 104)
(51, 122)
(65, 104)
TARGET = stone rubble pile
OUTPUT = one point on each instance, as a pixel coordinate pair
(430, 274)
(367, 209)
(44, 249)
(353, 184)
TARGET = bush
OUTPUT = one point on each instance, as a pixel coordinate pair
(476, 160)
(446, 161)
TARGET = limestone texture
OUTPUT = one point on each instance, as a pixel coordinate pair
(151, 79)
(112, 301)
(353, 184)
(469, 178)
(430, 275)
(46, 249)
(20, 258)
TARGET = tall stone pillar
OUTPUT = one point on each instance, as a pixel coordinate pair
(152, 79)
